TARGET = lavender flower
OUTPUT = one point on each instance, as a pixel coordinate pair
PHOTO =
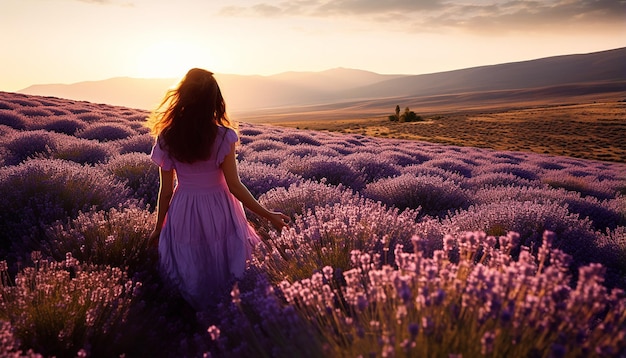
(105, 132)
(139, 173)
(350, 277)
(260, 178)
(434, 195)
(302, 196)
(135, 144)
(82, 151)
(116, 237)
(29, 144)
(333, 170)
(58, 312)
(13, 119)
(65, 124)
(43, 191)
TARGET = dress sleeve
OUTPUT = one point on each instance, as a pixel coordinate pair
(228, 141)
(161, 157)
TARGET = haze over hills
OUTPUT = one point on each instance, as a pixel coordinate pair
(242, 92)
(598, 72)
(609, 66)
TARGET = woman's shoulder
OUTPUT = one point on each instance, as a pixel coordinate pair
(160, 154)
(159, 143)
(226, 137)
(229, 134)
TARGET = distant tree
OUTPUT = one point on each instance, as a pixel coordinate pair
(395, 117)
(409, 116)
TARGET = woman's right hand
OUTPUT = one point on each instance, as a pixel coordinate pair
(153, 239)
(278, 220)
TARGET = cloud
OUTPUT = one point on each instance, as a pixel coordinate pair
(529, 16)
(331, 7)
(267, 10)
(474, 16)
(360, 7)
(108, 2)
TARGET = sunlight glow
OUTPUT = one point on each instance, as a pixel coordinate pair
(245, 38)
(169, 58)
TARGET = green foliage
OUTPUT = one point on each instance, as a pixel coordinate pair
(326, 236)
(117, 237)
(65, 308)
(470, 299)
(407, 116)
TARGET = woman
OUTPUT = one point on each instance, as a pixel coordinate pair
(203, 236)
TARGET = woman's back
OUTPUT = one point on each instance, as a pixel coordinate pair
(200, 175)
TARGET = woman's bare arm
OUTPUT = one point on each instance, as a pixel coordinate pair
(236, 187)
(166, 190)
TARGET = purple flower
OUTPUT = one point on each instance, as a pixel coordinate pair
(103, 131)
(413, 330)
(487, 343)
(214, 331)
(434, 195)
(13, 119)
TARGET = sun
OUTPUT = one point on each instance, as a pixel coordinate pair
(169, 59)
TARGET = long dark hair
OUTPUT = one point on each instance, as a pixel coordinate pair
(187, 126)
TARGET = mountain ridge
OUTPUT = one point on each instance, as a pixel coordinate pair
(609, 65)
(245, 93)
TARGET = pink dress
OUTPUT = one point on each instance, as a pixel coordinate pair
(206, 239)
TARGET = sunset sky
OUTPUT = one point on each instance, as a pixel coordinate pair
(68, 41)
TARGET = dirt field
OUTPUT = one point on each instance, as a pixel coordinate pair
(595, 130)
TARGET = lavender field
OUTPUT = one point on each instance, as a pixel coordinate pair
(396, 248)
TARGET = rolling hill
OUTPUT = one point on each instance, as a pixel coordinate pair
(553, 77)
